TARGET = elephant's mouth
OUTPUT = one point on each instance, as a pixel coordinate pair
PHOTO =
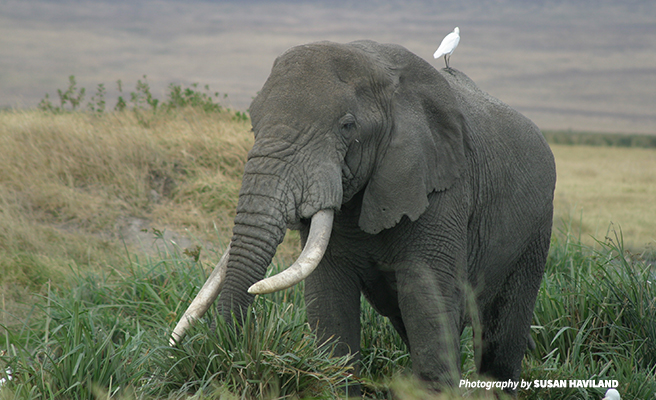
(315, 247)
(299, 224)
(320, 228)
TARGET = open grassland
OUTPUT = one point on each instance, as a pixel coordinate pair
(602, 188)
(88, 303)
(71, 185)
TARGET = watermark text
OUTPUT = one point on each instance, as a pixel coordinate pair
(538, 384)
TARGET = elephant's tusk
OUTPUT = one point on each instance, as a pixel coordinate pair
(203, 300)
(320, 228)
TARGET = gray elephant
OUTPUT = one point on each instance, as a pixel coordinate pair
(408, 185)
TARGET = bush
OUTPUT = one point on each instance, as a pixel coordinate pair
(143, 104)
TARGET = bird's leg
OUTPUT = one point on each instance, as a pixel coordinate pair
(446, 61)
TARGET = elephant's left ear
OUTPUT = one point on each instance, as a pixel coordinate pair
(426, 152)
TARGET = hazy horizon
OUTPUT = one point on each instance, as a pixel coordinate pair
(589, 66)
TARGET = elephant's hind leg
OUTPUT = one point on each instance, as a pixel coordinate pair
(506, 319)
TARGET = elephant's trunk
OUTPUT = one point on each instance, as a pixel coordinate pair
(260, 226)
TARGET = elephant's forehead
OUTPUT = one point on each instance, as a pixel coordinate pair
(323, 56)
(314, 93)
(318, 82)
(321, 66)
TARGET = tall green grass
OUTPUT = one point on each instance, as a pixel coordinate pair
(108, 336)
(594, 319)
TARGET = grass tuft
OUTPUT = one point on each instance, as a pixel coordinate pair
(594, 320)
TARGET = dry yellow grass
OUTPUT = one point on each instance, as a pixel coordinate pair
(73, 187)
(71, 183)
(89, 171)
(598, 186)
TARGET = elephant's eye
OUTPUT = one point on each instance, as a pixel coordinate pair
(348, 126)
(347, 123)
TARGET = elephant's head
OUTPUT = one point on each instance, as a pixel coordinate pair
(333, 121)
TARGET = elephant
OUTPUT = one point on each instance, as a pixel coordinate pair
(409, 185)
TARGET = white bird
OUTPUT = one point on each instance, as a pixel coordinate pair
(612, 394)
(448, 45)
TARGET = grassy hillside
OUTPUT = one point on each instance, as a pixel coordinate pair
(92, 282)
(71, 185)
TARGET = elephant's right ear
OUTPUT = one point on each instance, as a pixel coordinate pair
(426, 151)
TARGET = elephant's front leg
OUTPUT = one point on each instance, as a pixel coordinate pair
(332, 297)
(432, 312)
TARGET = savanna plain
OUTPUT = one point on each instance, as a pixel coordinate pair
(110, 220)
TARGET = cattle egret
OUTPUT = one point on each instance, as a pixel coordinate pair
(448, 45)
(612, 394)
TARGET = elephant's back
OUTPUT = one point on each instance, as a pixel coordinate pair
(512, 168)
(496, 130)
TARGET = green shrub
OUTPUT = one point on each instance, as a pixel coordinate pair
(180, 97)
(72, 96)
(144, 104)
